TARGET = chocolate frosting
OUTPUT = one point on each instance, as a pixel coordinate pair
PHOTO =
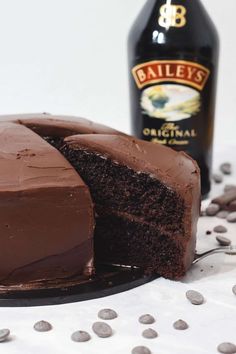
(175, 169)
(46, 124)
(46, 212)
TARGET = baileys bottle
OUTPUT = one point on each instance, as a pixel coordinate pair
(173, 50)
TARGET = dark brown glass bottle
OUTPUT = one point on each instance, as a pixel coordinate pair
(173, 50)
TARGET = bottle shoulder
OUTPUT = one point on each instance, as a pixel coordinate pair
(198, 35)
(165, 45)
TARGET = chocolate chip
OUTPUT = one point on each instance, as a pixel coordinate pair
(225, 199)
(141, 350)
(102, 329)
(150, 333)
(220, 229)
(42, 326)
(227, 348)
(229, 187)
(212, 209)
(180, 325)
(80, 336)
(195, 297)
(217, 178)
(4, 334)
(208, 232)
(232, 206)
(146, 319)
(231, 217)
(234, 289)
(222, 214)
(226, 168)
(223, 241)
(107, 314)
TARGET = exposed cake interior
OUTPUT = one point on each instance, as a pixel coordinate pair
(139, 219)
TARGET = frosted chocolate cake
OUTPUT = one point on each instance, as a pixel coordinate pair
(145, 197)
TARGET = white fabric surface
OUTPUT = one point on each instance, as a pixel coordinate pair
(210, 324)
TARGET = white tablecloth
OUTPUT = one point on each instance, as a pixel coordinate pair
(209, 324)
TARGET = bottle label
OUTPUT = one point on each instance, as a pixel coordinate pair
(180, 71)
(171, 94)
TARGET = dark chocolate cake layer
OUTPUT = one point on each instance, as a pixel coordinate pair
(147, 200)
(46, 212)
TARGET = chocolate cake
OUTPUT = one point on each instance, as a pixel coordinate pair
(147, 200)
(145, 197)
(46, 211)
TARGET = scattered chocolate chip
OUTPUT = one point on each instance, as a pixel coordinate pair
(195, 297)
(232, 206)
(229, 187)
(102, 329)
(220, 229)
(226, 168)
(4, 334)
(146, 319)
(222, 214)
(107, 314)
(231, 217)
(150, 333)
(180, 325)
(234, 289)
(227, 348)
(141, 350)
(212, 209)
(42, 326)
(225, 199)
(80, 336)
(223, 241)
(217, 178)
(208, 232)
